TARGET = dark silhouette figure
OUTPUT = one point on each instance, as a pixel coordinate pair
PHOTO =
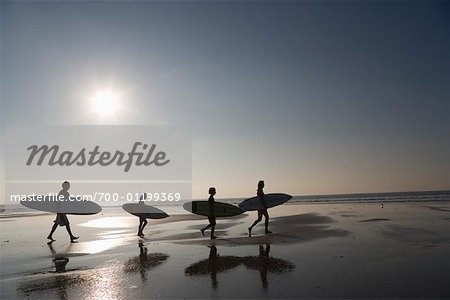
(261, 212)
(266, 264)
(59, 260)
(144, 261)
(212, 265)
(142, 220)
(264, 257)
(216, 263)
(212, 218)
(61, 218)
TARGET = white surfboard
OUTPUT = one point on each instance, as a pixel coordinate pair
(271, 200)
(145, 211)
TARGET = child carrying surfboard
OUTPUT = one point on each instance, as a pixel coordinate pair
(211, 218)
(261, 212)
(61, 218)
(142, 220)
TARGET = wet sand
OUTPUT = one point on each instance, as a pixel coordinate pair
(352, 250)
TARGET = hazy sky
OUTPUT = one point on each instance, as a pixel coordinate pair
(314, 97)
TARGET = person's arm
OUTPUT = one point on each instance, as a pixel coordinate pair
(261, 197)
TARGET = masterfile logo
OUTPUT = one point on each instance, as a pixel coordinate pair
(97, 153)
(93, 157)
(107, 163)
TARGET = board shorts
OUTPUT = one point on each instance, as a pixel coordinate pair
(61, 220)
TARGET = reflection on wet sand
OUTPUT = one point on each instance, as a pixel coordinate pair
(59, 260)
(58, 283)
(97, 246)
(266, 264)
(144, 261)
(213, 265)
(217, 264)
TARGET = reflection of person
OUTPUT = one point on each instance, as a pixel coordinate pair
(60, 261)
(264, 261)
(213, 266)
(142, 260)
(261, 212)
(212, 218)
(265, 264)
(60, 267)
(61, 218)
(142, 220)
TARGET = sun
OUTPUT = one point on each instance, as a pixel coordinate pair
(105, 103)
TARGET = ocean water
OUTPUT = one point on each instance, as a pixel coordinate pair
(425, 196)
(378, 197)
(177, 207)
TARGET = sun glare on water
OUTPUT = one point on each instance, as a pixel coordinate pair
(105, 103)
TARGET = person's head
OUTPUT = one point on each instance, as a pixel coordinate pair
(261, 184)
(212, 191)
(66, 185)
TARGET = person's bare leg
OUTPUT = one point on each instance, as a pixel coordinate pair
(212, 233)
(254, 223)
(72, 237)
(203, 229)
(139, 227)
(213, 227)
(50, 235)
(143, 226)
(266, 222)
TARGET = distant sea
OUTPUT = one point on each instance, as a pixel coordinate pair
(378, 197)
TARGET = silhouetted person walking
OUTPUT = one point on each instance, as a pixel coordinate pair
(142, 220)
(261, 212)
(61, 218)
(211, 218)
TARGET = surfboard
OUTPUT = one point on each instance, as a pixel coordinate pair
(221, 209)
(144, 211)
(50, 204)
(271, 200)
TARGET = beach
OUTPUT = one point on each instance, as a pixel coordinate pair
(332, 250)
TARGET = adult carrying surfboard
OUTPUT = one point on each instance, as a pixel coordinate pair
(212, 210)
(212, 218)
(261, 203)
(262, 211)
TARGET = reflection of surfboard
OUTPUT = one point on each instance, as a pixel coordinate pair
(144, 262)
(145, 211)
(271, 200)
(221, 209)
(51, 204)
(213, 265)
(271, 264)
